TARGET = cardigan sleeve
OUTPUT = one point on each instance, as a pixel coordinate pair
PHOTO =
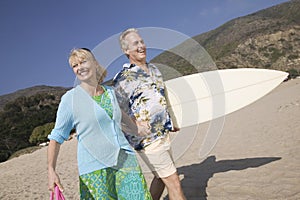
(64, 120)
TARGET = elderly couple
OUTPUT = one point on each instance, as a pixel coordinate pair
(114, 123)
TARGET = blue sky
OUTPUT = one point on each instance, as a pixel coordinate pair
(37, 35)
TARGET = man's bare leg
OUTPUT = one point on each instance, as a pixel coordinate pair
(174, 187)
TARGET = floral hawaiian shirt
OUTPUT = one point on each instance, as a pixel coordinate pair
(142, 96)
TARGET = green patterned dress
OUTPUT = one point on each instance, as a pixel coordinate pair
(124, 181)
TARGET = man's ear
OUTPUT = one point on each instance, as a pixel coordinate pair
(126, 52)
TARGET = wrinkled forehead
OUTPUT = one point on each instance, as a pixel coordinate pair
(133, 37)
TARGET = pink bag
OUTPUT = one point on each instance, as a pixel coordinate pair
(57, 193)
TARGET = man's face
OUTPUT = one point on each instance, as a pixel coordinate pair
(136, 48)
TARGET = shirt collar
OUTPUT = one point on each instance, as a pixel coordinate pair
(128, 65)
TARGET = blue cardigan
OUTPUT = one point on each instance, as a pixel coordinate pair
(99, 137)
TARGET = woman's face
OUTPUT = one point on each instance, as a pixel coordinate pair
(84, 69)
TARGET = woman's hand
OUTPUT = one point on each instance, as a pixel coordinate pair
(53, 180)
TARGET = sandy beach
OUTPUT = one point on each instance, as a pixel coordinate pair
(256, 157)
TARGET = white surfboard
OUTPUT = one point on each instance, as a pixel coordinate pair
(202, 97)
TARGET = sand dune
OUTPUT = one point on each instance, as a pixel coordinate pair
(256, 157)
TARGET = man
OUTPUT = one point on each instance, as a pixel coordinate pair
(141, 89)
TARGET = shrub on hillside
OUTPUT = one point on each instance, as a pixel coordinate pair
(40, 133)
(293, 73)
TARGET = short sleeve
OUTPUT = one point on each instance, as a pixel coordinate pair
(123, 95)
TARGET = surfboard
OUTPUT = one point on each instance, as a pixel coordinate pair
(201, 97)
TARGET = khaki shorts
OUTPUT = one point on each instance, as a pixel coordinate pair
(158, 157)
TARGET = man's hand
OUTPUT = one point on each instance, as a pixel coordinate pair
(144, 128)
(175, 129)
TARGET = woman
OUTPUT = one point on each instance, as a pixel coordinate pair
(107, 165)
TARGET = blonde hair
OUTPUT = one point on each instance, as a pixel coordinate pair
(122, 41)
(84, 53)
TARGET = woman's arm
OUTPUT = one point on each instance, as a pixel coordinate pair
(53, 178)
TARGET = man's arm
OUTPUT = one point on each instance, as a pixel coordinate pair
(175, 126)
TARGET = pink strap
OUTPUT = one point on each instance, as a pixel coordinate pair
(58, 194)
